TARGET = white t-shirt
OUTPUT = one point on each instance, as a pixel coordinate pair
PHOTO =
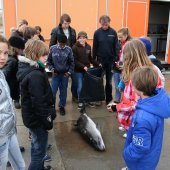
(66, 32)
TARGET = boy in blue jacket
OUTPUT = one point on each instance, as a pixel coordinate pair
(61, 63)
(144, 141)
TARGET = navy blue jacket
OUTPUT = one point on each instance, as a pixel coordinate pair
(105, 46)
(61, 60)
(144, 141)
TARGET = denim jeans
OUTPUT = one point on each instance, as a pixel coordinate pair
(117, 78)
(38, 148)
(61, 82)
(79, 79)
(10, 151)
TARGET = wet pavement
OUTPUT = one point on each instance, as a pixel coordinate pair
(71, 152)
(78, 154)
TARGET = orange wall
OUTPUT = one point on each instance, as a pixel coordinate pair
(85, 14)
(9, 16)
(101, 9)
(116, 13)
(38, 12)
(168, 59)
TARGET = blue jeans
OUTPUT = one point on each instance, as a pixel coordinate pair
(79, 79)
(117, 78)
(61, 82)
(10, 151)
(38, 148)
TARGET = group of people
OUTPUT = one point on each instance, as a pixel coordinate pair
(22, 63)
(138, 99)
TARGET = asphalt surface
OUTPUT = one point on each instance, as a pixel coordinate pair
(71, 152)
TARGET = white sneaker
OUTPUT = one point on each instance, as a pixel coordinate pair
(110, 105)
(80, 106)
(125, 135)
(121, 129)
(125, 168)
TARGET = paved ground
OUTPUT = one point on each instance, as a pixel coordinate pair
(71, 152)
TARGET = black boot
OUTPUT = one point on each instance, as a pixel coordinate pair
(22, 149)
(17, 104)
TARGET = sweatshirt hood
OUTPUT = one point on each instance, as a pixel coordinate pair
(25, 66)
(158, 105)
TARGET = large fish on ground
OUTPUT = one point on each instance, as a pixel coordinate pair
(88, 128)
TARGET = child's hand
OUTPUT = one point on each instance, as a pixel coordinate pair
(85, 68)
(66, 74)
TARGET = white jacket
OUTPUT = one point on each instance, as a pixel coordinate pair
(7, 113)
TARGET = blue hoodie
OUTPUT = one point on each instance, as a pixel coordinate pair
(144, 141)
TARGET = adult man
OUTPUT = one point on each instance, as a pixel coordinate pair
(105, 51)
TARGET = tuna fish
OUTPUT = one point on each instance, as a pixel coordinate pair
(88, 128)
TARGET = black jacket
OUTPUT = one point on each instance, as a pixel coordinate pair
(37, 101)
(82, 57)
(105, 46)
(58, 30)
(10, 71)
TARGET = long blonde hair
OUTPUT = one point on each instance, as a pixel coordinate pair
(135, 56)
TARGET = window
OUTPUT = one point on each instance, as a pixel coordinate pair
(1, 19)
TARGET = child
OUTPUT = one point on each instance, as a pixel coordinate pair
(144, 141)
(123, 37)
(17, 46)
(83, 60)
(9, 148)
(134, 56)
(38, 32)
(147, 42)
(38, 109)
(61, 63)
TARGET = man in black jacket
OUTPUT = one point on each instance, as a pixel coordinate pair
(105, 51)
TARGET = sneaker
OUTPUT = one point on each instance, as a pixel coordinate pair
(48, 167)
(8, 164)
(47, 158)
(17, 104)
(91, 104)
(22, 149)
(80, 106)
(30, 136)
(121, 129)
(111, 107)
(125, 168)
(49, 147)
(125, 135)
(99, 103)
(74, 99)
(62, 111)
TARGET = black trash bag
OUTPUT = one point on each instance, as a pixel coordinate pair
(93, 87)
